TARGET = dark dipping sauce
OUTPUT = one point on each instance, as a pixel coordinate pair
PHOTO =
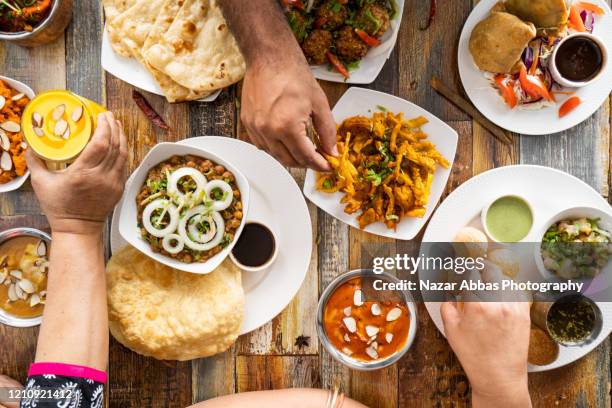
(579, 59)
(571, 319)
(255, 246)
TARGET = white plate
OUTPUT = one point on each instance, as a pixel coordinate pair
(130, 71)
(23, 88)
(544, 189)
(128, 225)
(370, 65)
(527, 122)
(359, 101)
(277, 201)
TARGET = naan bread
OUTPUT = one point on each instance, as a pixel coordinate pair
(112, 9)
(549, 16)
(198, 51)
(167, 314)
(497, 42)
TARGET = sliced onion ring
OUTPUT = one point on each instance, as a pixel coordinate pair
(227, 191)
(196, 246)
(171, 211)
(178, 174)
(167, 243)
(192, 228)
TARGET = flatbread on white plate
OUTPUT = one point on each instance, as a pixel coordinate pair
(198, 51)
(112, 9)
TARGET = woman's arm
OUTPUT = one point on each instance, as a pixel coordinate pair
(76, 202)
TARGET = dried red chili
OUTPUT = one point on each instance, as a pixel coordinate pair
(148, 110)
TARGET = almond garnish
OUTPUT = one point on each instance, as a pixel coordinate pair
(394, 314)
(6, 163)
(350, 324)
(37, 119)
(347, 311)
(58, 112)
(375, 309)
(39, 132)
(2, 101)
(389, 337)
(60, 128)
(18, 96)
(371, 330)
(76, 114)
(11, 126)
(5, 142)
(358, 298)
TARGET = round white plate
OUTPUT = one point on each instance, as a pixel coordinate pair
(130, 71)
(276, 200)
(531, 122)
(360, 101)
(546, 189)
(370, 65)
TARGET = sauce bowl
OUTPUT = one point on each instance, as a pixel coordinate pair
(552, 64)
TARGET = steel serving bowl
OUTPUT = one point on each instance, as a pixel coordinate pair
(367, 275)
(48, 30)
(5, 317)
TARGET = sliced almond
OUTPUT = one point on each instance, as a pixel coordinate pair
(347, 311)
(41, 249)
(375, 309)
(3, 275)
(12, 293)
(60, 128)
(19, 292)
(350, 323)
(58, 112)
(5, 142)
(389, 337)
(358, 298)
(37, 119)
(347, 351)
(10, 126)
(66, 134)
(6, 163)
(394, 314)
(3, 261)
(39, 132)
(34, 300)
(16, 274)
(371, 351)
(347, 338)
(18, 96)
(26, 285)
(23, 145)
(43, 293)
(2, 101)
(77, 114)
(374, 345)
(371, 330)
(7, 282)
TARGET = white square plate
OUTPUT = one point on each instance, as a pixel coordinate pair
(371, 65)
(130, 71)
(359, 101)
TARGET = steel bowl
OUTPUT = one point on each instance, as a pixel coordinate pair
(48, 30)
(5, 317)
(367, 275)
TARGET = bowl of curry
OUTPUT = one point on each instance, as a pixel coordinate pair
(365, 320)
(33, 22)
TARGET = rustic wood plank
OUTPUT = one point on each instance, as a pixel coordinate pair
(213, 376)
(257, 373)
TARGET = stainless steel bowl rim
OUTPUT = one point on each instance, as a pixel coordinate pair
(351, 362)
(5, 35)
(5, 317)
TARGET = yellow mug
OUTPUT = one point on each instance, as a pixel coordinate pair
(57, 126)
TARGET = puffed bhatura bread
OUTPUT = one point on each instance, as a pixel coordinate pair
(198, 51)
(549, 16)
(167, 314)
(498, 41)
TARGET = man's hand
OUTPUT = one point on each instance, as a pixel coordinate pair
(7, 382)
(279, 100)
(78, 199)
(491, 340)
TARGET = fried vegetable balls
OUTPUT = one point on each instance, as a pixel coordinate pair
(299, 25)
(331, 15)
(316, 45)
(373, 19)
(349, 46)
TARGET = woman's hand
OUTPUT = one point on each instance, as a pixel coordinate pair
(280, 100)
(78, 199)
(6, 383)
(491, 340)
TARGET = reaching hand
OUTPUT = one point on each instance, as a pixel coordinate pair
(280, 98)
(79, 198)
(491, 340)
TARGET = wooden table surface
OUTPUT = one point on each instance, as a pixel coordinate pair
(268, 358)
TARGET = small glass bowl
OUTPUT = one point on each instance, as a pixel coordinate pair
(367, 275)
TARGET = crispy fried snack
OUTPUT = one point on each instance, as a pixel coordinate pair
(385, 168)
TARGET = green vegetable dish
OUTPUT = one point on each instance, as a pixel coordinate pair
(189, 208)
(575, 249)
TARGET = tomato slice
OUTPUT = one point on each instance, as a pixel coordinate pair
(507, 90)
(569, 105)
(367, 38)
(534, 86)
(575, 21)
(337, 64)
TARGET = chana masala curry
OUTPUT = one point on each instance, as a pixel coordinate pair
(12, 145)
(365, 330)
(23, 15)
(24, 266)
